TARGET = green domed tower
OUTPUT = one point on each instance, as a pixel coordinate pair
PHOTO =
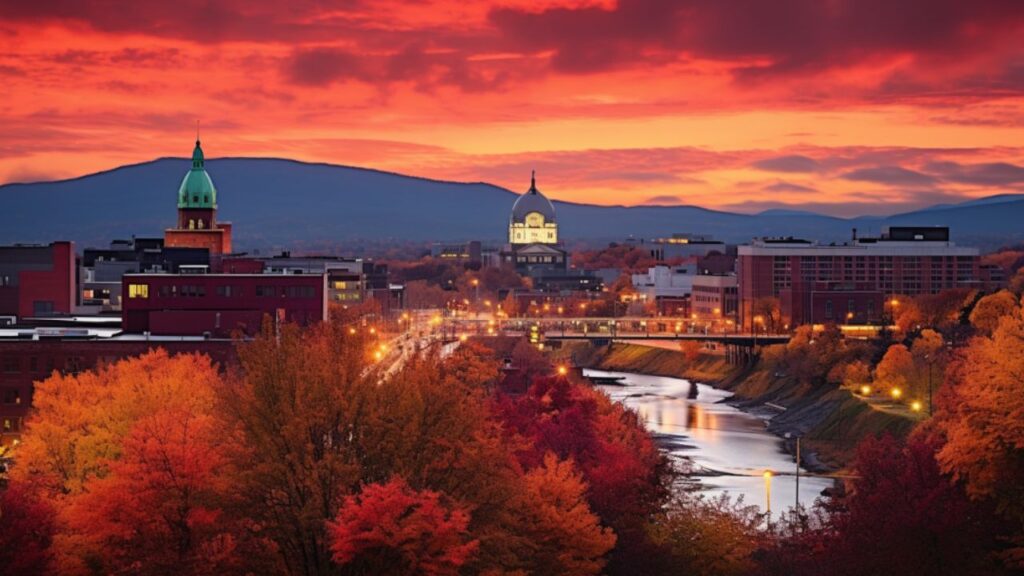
(197, 196)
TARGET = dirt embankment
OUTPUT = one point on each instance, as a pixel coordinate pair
(830, 421)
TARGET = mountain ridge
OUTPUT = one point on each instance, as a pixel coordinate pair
(282, 203)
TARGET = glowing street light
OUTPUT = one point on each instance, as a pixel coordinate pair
(865, 390)
(896, 393)
(768, 496)
(915, 405)
(562, 370)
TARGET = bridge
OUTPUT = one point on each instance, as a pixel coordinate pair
(641, 328)
(739, 346)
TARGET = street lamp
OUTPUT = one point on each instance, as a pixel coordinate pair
(896, 393)
(768, 496)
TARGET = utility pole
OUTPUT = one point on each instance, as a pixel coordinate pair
(798, 475)
(788, 435)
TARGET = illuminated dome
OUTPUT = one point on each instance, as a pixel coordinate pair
(532, 202)
(533, 218)
(197, 190)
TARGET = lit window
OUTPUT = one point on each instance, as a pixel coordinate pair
(138, 290)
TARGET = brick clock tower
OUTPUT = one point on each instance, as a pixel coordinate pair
(197, 214)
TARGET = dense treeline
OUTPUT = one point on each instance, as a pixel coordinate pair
(306, 458)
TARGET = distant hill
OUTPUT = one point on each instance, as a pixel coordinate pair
(278, 203)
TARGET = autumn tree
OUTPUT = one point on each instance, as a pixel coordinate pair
(856, 373)
(691, 350)
(708, 536)
(990, 309)
(906, 313)
(392, 529)
(80, 421)
(981, 420)
(903, 516)
(162, 505)
(810, 355)
(625, 472)
(566, 537)
(27, 527)
(896, 369)
(127, 456)
(293, 405)
(421, 294)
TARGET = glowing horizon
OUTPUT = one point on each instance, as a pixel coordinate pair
(845, 108)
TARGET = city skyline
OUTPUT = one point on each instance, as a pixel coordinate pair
(846, 109)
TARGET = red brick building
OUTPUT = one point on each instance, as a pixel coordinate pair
(219, 304)
(902, 261)
(832, 303)
(37, 280)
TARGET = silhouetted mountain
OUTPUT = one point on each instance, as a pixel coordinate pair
(284, 203)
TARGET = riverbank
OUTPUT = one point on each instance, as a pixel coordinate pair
(830, 421)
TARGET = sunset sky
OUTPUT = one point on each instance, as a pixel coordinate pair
(845, 107)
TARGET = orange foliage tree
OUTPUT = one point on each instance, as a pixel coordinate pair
(981, 418)
(896, 369)
(128, 457)
(990, 309)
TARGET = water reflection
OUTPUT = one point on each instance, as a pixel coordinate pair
(729, 449)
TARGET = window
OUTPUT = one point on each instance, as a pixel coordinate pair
(828, 309)
(266, 291)
(138, 290)
(300, 292)
(229, 291)
(11, 364)
(12, 396)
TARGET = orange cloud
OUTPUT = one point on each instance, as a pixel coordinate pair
(841, 105)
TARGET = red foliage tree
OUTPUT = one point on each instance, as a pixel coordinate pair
(392, 529)
(623, 468)
(161, 506)
(904, 516)
(27, 526)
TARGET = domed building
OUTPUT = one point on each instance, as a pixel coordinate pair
(533, 218)
(533, 248)
(197, 213)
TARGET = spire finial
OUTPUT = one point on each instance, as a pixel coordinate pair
(533, 180)
(197, 132)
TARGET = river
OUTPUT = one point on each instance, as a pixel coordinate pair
(729, 449)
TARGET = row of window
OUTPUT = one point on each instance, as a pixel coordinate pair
(225, 291)
(14, 364)
(536, 259)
